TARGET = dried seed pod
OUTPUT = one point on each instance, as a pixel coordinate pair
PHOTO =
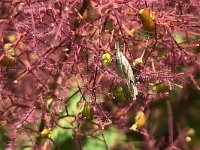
(88, 11)
(8, 61)
(147, 17)
(9, 58)
(125, 71)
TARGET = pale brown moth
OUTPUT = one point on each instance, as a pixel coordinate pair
(125, 71)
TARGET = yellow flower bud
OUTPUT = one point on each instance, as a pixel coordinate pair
(140, 121)
(134, 127)
(188, 139)
(7, 46)
(138, 61)
(190, 131)
(106, 59)
(46, 133)
(11, 37)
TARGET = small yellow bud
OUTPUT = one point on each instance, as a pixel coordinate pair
(7, 46)
(138, 61)
(190, 131)
(11, 38)
(140, 121)
(188, 139)
(106, 59)
(134, 127)
(46, 133)
(141, 11)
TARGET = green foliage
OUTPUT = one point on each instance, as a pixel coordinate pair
(111, 135)
(119, 94)
(63, 137)
(3, 139)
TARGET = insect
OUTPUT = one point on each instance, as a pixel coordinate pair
(125, 71)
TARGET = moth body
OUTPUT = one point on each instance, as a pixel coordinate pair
(125, 71)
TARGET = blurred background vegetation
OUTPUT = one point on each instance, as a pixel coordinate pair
(185, 105)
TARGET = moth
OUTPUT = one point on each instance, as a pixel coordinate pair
(125, 71)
